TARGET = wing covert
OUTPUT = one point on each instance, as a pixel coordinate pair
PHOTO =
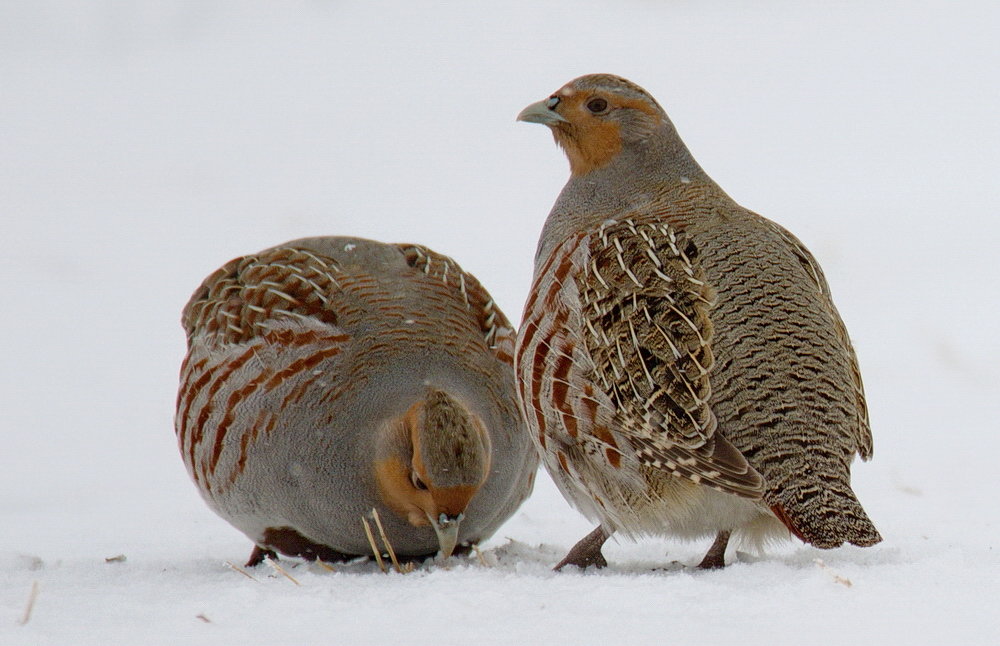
(246, 296)
(649, 337)
(496, 329)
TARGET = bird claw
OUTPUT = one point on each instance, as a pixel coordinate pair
(583, 558)
(712, 562)
(258, 555)
(587, 551)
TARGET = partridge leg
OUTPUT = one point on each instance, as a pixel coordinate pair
(258, 555)
(716, 556)
(587, 552)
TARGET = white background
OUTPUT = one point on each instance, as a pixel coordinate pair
(143, 144)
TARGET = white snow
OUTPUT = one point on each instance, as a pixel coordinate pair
(143, 144)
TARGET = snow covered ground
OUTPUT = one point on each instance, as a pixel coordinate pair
(143, 144)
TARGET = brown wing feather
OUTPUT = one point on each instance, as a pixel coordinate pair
(863, 431)
(274, 305)
(496, 329)
(647, 305)
(239, 300)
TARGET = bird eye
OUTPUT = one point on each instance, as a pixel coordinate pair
(417, 482)
(597, 105)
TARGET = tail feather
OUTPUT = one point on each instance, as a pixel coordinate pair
(824, 517)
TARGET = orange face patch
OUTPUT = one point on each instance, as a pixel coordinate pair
(591, 141)
(399, 494)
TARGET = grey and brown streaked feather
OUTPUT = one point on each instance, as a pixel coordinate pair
(646, 308)
(496, 329)
(786, 388)
(815, 274)
(235, 324)
(615, 357)
(242, 298)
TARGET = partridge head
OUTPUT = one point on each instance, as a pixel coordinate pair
(431, 462)
(598, 118)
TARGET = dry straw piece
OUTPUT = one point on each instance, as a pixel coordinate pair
(280, 570)
(26, 617)
(237, 568)
(326, 566)
(402, 568)
(371, 541)
(479, 555)
(844, 581)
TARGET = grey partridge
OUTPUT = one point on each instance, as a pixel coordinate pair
(329, 376)
(681, 365)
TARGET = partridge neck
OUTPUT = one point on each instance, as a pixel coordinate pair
(646, 171)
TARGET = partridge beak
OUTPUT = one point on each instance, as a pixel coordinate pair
(540, 112)
(446, 528)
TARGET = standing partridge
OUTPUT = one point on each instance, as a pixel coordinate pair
(681, 365)
(326, 377)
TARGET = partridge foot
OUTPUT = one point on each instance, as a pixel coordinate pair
(587, 551)
(715, 558)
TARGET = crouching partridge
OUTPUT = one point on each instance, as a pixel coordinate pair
(681, 365)
(329, 376)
